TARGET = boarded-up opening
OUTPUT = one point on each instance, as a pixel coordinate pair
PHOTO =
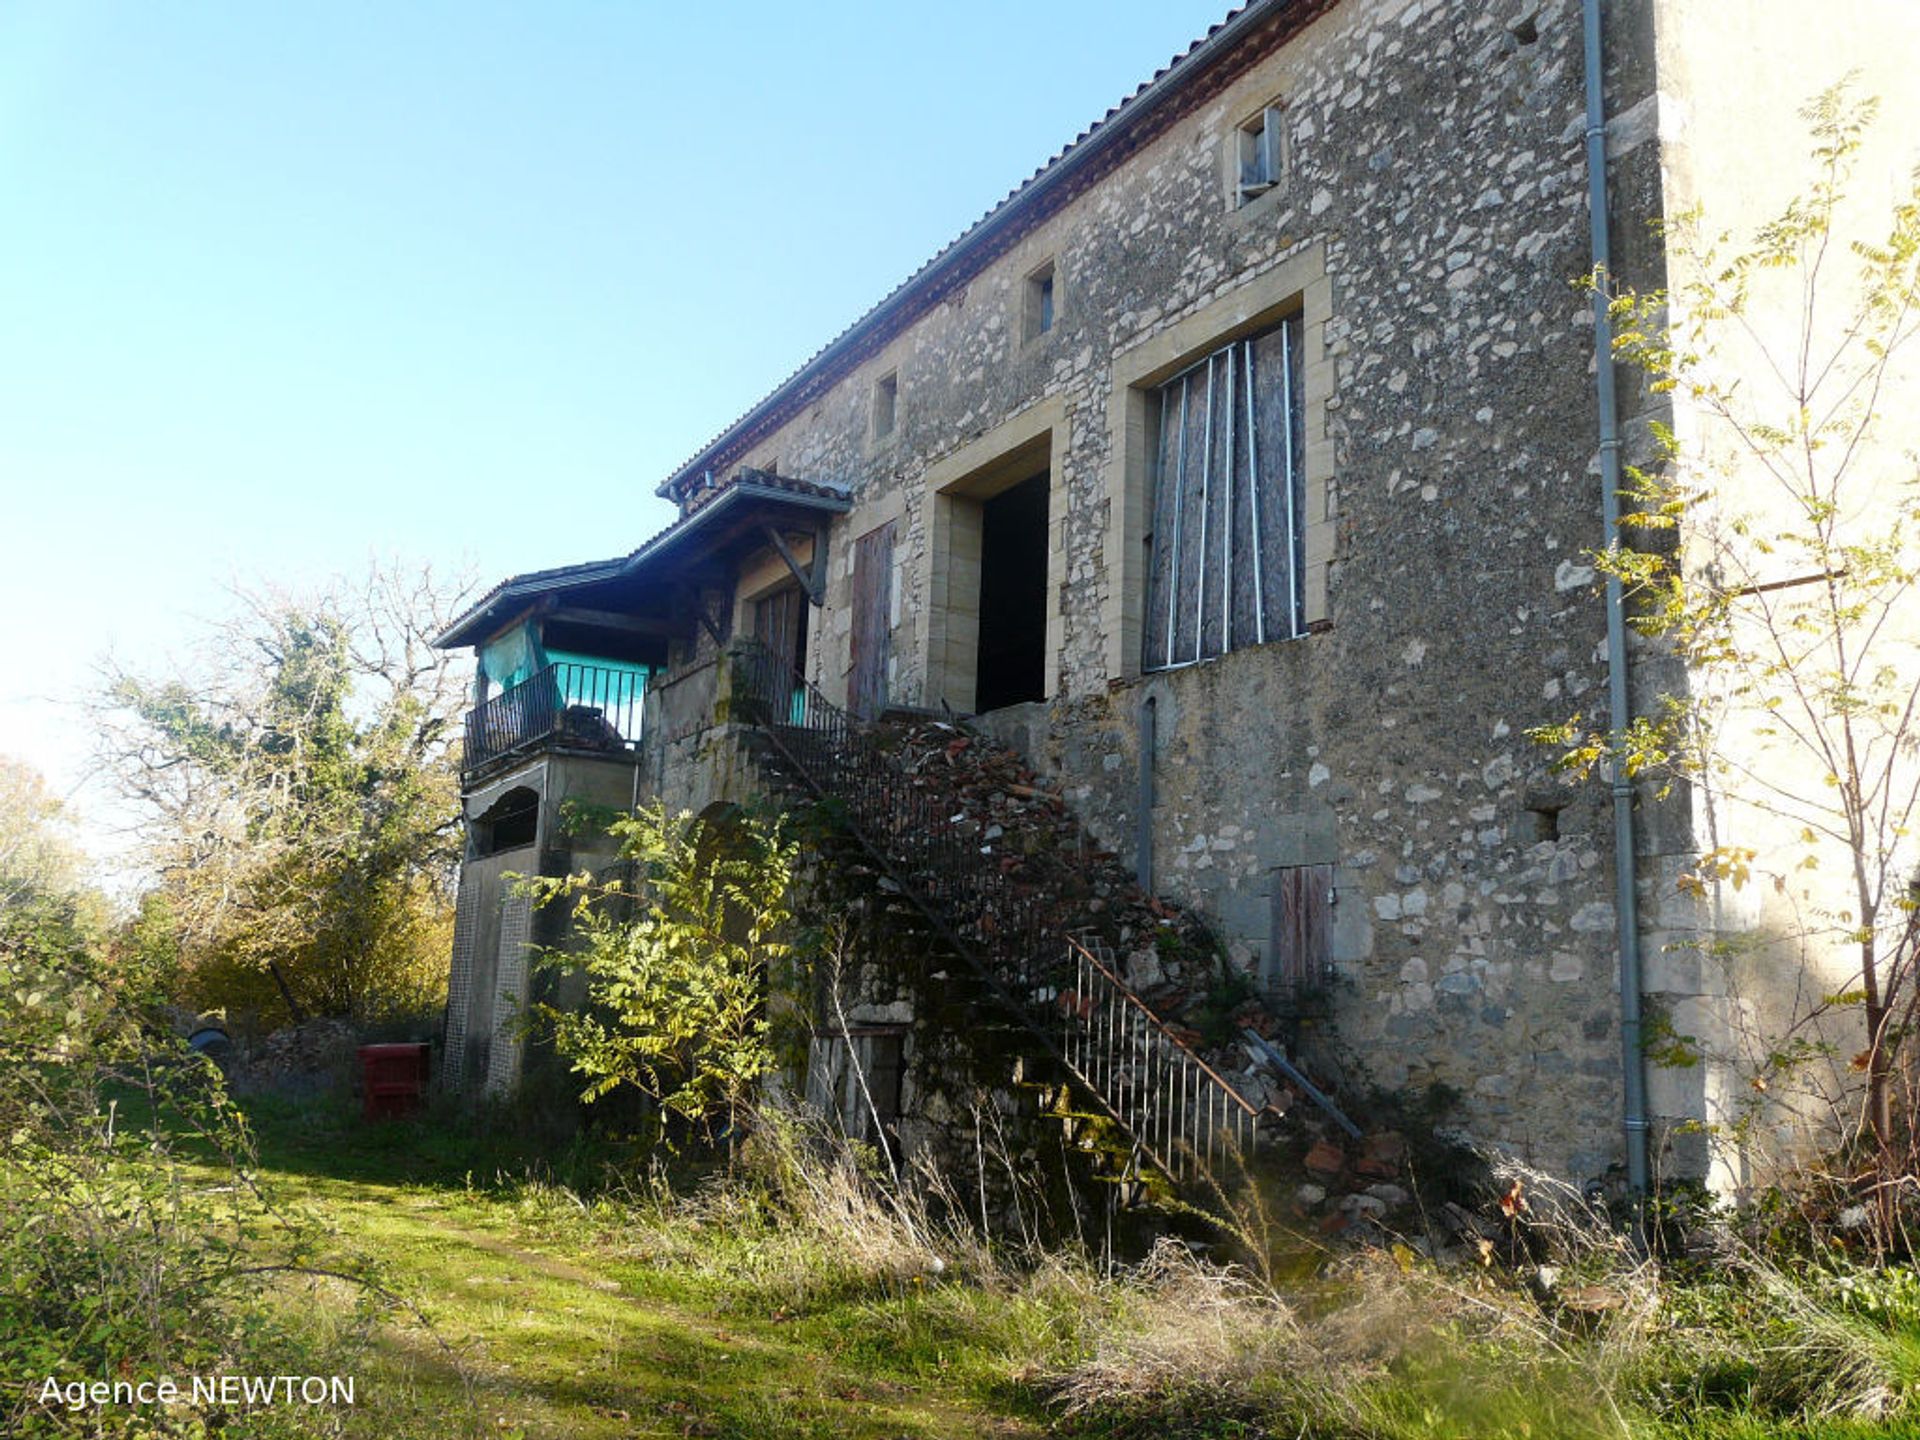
(1226, 551)
(1301, 926)
(872, 621)
(1013, 596)
(780, 622)
(854, 1076)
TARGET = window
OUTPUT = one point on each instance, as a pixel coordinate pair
(1037, 312)
(886, 405)
(510, 823)
(1226, 559)
(1262, 153)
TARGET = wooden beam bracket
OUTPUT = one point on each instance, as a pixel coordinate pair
(813, 580)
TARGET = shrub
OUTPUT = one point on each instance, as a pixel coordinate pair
(135, 1241)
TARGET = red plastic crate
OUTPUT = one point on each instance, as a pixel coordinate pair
(393, 1080)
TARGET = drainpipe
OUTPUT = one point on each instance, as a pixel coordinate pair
(1625, 905)
(1143, 803)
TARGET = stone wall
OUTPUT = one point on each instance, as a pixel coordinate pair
(1429, 230)
(492, 979)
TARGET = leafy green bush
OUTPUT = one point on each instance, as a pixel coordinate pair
(676, 968)
(135, 1242)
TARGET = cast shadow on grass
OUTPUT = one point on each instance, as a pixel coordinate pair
(443, 1145)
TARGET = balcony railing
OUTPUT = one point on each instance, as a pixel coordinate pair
(581, 707)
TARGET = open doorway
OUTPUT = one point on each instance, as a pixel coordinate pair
(993, 569)
(1013, 596)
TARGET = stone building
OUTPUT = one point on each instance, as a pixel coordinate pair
(1239, 469)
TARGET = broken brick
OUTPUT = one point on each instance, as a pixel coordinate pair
(1325, 1158)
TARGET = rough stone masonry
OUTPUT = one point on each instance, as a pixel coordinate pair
(1427, 231)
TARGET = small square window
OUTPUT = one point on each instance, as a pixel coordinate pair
(886, 404)
(1262, 153)
(1038, 309)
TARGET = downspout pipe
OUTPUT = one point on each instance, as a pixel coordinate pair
(1625, 902)
(1143, 801)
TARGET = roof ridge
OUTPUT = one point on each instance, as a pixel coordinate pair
(1000, 209)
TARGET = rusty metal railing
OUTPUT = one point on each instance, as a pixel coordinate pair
(1178, 1106)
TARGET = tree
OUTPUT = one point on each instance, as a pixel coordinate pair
(118, 1256)
(677, 965)
(47, 908)
(1776, 556)
(36, 853)
(299, 800)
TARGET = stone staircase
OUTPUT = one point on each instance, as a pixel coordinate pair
(1124, 1076)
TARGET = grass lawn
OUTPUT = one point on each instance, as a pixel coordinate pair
(549, 1315)
(559, 1330)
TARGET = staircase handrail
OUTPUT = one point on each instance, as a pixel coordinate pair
(1166, 1031)
(773, 671)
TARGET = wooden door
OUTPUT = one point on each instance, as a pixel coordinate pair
(872, 621)
(1302, 920)
(780, 624)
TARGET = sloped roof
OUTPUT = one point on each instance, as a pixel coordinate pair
(776, 495)
(1223, 52)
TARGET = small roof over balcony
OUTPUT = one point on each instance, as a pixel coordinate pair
(718, 527)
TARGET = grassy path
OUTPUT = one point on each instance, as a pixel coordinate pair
(558, 1334)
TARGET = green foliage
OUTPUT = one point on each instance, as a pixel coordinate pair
(1227, 991)
(135, 1240)
(299, 803)
(677, 968)
(1888, 1297)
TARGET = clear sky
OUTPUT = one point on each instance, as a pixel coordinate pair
(283, 285)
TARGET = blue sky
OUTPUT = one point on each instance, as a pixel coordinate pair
(284, 285)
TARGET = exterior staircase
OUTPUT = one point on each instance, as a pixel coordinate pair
(1124, 1064)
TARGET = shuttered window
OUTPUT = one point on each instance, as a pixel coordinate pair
(871, 643)
(1229, 492)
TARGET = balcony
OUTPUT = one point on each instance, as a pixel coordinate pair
(570, 706)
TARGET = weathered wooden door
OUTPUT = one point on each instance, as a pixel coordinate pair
(780, 624)
(1302, 920)
(872, 621)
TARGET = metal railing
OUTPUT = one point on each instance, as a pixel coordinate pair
(1178, 1110)
(1184, 1115)
(586, 707)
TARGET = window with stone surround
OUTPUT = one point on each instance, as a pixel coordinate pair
(1293, 294)
(1262, 153)
(886, 405)
(1037, 308)
(1226, 539)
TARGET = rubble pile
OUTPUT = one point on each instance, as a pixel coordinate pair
(1166, 954)
(299, 1060)
(993, 796)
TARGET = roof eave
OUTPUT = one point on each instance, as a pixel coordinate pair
(481, 619)
(1132, 114)
(733, 498)
(478, 621)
